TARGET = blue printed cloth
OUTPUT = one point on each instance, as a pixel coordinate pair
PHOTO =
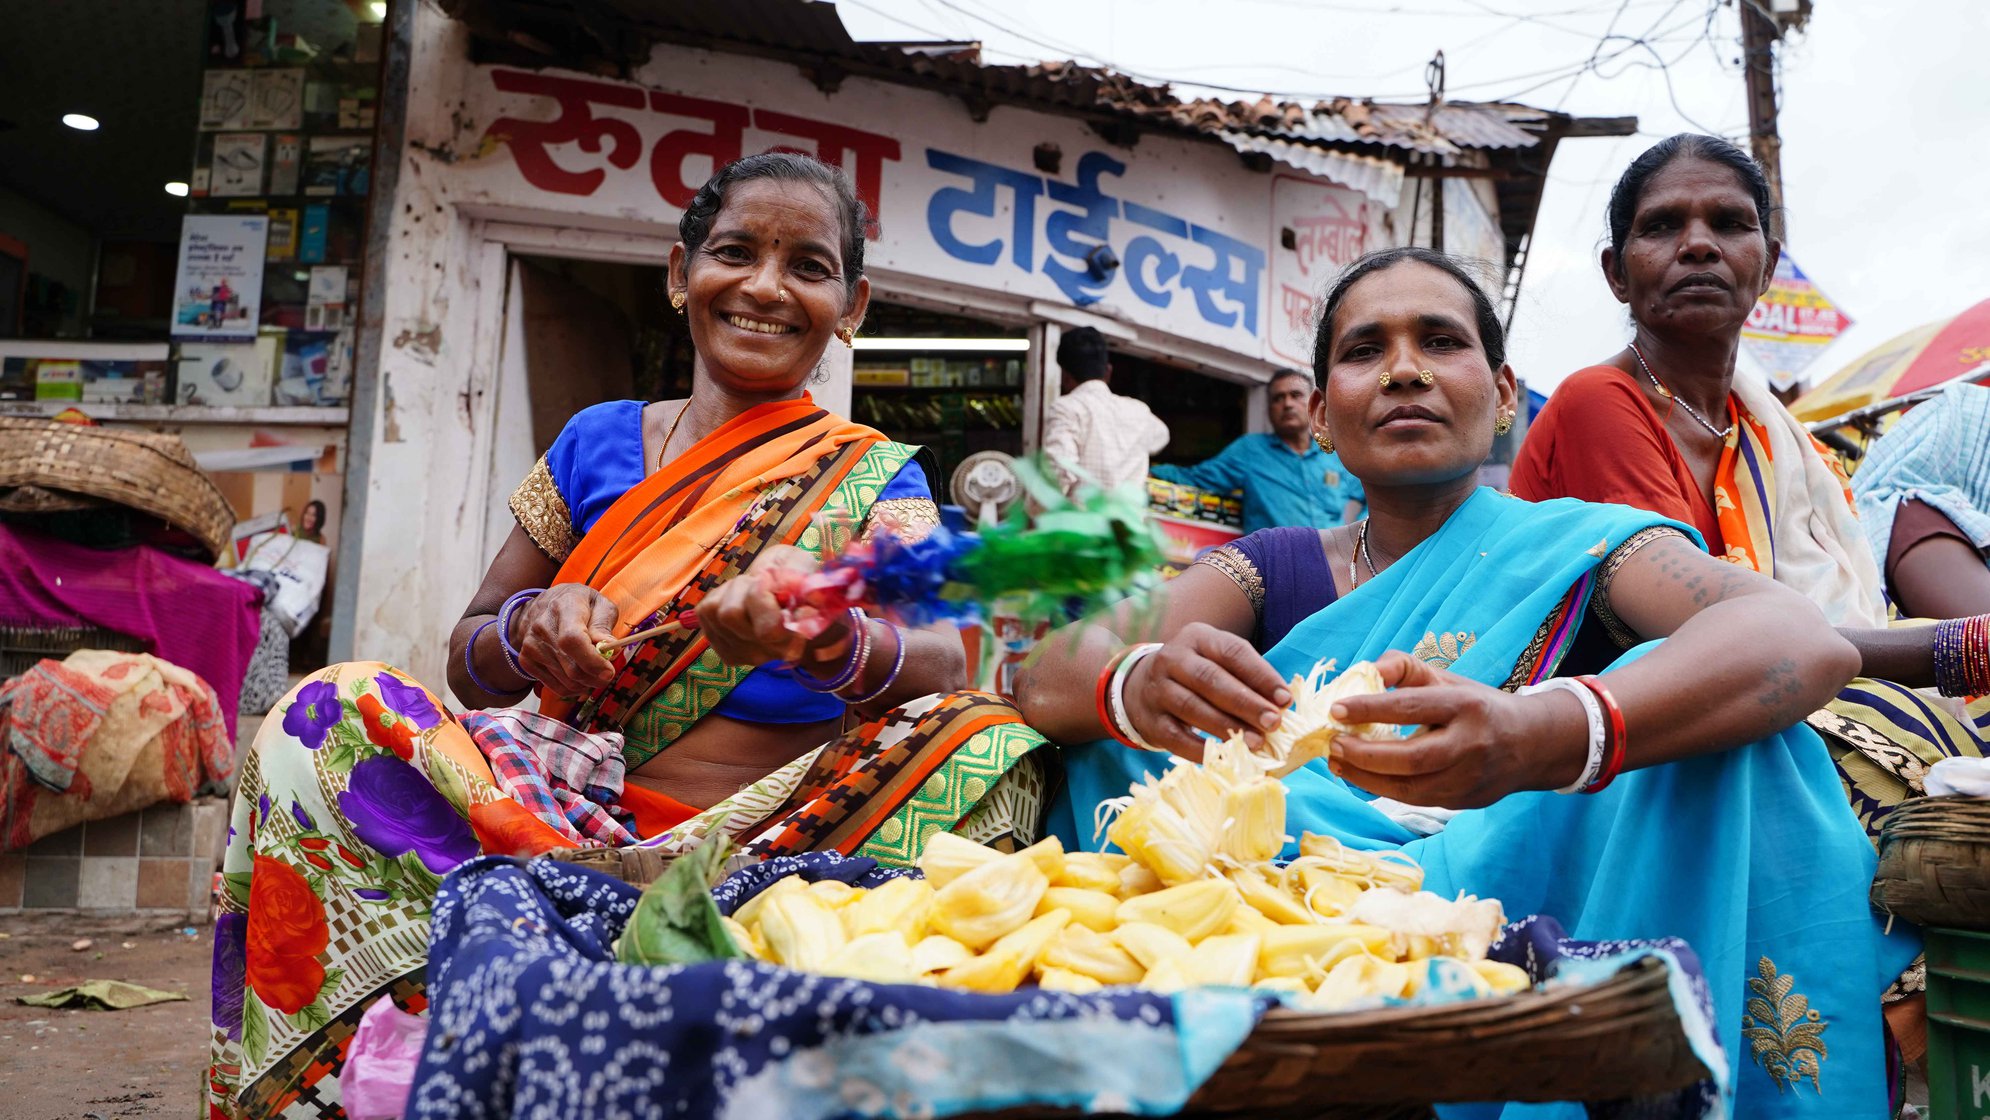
(531, 1016)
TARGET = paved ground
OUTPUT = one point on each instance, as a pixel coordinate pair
(102, 1065)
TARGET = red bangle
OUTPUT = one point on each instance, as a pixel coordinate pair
(1102, 692)
(1613, 757)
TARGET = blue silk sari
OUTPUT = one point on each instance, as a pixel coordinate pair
(1751, 855)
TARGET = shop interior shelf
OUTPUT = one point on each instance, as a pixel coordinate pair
(332, 416)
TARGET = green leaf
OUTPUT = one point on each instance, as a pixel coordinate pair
(442, 774)
(312, 1016)
(237, 883)
(422, 882)
(675, 921)
(333, 977)
(255, 1029)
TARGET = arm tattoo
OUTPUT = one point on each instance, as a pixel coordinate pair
(1781, 687)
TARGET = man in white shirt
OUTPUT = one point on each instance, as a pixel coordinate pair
(1093, 434)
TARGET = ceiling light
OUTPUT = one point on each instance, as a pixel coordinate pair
(981, 345)
(79, 122)
(379, 9)
(176, 189)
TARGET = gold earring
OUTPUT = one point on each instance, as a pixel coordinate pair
(849, 337)
(1324, 442)
(677, 301)
(1502, 424)
(1425, 376)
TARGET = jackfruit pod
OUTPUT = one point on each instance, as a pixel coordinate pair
(1090, 953)
(1092, 871)
(1246, 920)
(1381, 869)
(1504, 979)
(948, 856)
(1225, 960)
(802, 931)
(836, 895)
(1093, 909)
(1150, 944)
(1253, 820)
(882, 958)
(1168, 977)
(1284, 985)
(1308, 729)
(989, 901)
(1327, 893)
(1173, 825)
(747, 940)
(1358, 979)
(1268, 898)
(1009, 959)
(1048, 855)
(1465, 927)
(749, 913)
(938, 951)
(1062, 980)
(1195, 909)
(1137, 879)
(1306, 951)
(903, 905)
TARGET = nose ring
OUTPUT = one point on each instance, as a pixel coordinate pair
(1425, 376)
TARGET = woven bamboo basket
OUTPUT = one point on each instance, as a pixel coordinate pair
(46, 465)
(1620, 1037)
(1934, 863)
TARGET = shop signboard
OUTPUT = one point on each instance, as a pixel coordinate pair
(1791, 325)
(1324, 228)
(1170, 234)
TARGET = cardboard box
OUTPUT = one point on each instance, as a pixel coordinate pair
(234, 375)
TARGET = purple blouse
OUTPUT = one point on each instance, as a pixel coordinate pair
(1285, 572)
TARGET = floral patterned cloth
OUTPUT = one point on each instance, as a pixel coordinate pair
(362, 794)
(533, 1017)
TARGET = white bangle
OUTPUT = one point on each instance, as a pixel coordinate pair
(1116, 693)
(1597, 729)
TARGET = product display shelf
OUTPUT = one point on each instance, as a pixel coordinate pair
(332, 416)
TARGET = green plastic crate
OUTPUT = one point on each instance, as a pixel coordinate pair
(1958, 1024)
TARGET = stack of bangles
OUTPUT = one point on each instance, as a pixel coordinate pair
(1111, 695)
(502, 621)
(1962, 656)
(1607, 738)
(858, 660)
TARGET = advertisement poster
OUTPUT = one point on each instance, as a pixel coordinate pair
(238, 165)
(1791, 325)
(218, 287)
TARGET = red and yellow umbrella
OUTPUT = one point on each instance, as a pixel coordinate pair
(1926, 356)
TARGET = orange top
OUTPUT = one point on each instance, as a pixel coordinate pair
(1599, 439)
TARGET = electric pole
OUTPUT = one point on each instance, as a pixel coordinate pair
(1762, 25)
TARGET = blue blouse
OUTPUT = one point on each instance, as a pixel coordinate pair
(598, 457)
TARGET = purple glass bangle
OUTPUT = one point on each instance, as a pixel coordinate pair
(511, 606)
(470, 660)
(891, 678)
(853, 666)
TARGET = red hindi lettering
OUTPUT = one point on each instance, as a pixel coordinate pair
(529, 139)
(1298, 307)
(870, 151)
(721, 145)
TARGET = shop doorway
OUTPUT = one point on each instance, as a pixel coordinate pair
(950, 383)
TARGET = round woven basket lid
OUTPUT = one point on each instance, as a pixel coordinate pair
(49, 465)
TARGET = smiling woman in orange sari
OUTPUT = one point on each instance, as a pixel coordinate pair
(363, 792)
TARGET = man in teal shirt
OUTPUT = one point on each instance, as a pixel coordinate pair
(1286, 478)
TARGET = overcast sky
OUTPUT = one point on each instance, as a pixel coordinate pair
(1885, 120)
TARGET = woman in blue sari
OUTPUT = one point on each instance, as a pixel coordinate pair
(1727, 828)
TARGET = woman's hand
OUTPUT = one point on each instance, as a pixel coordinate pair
(1476, 744)
(555, 635)
(1203, 679)
(743, 620)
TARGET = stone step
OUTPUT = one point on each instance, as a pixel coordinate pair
(153, 861)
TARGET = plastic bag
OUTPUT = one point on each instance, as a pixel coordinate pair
(380, 1063)
(299, 566)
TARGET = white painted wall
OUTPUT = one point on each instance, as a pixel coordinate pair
(619, 153)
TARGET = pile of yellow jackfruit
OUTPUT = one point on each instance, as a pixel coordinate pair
(1195, 900)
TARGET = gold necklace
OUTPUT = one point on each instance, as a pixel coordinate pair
(669, 435)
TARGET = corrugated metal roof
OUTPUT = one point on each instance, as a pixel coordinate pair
(1378, 178)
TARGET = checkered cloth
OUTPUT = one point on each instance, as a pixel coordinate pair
(568, 778)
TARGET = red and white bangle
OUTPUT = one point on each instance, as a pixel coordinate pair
(1613, 761)
(1599, 735)
(1120, 725)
